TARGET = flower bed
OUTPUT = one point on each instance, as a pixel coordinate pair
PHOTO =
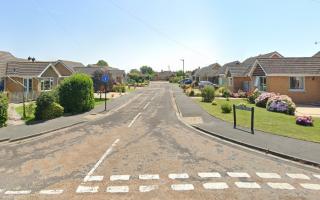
(304, 121)
(282, 104)
(262, 99)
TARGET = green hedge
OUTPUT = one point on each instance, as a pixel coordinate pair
(207, 94)
(119, 88)
(3, 109)
(76, 94)
(54, 110)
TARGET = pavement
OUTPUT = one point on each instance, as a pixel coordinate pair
(307, 110)
(299, 150)
(144, 151)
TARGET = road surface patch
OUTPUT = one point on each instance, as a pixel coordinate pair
(95, 178)
(51, 192)
(310, 186)
(238, 174)
(248, 185)
(149, 177)
(298, 176)
(119, 177)
(148, 188)
(178, 176)
(182, 187)
(17, 192)
(281, 186)
(117, 189)
(209, 175)
(215, 186)
(87, 189)
(268, 175)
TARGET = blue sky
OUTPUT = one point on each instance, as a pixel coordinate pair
(131, 33)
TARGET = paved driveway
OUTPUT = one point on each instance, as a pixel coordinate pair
(313, 111)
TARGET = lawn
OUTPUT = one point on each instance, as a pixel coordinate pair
(98, 101)
(276, 123)
(29, 112)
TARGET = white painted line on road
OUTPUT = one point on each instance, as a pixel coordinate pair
(95, 178)
(146, 105)
(17, 192)
(215, 186)
(148, 188)
(281, 186)
(1, 190)
(268, 175)
(178, 176)
(182, 187)
(310, 186)
(109, 150)
(119, 177)
(149, 176)
(238, 174)
(317, 175)
(118, 189)
(248, 185)
(51, 192)
(209, 175)
(134, 119)
(153, 97)
(87, 189)
(298, 176)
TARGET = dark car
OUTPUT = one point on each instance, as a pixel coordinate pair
(202, 84)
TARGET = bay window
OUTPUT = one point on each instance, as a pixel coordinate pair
(46, 84)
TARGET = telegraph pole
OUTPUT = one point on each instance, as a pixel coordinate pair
(182, 69)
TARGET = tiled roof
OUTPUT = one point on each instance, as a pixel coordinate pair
(210, 70)
(26, 68)
(4, 58)
(106, 67)
(229, 65)
(71, 64)
(88, 70)
(294, 65)
(317, 55)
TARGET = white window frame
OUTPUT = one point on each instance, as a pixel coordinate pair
(299, 89)
(27, 87)
(261, 87)
(42, 82)
(230, 81)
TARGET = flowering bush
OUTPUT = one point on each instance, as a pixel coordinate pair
(239, 94)
(253, 95)
(261, 101)
(304, 120)
(281, 103)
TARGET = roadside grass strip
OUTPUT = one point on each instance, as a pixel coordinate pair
(149, 177)
(268, 175)
(298, 176)
(17, 192)
(148, 188)
(95, 178)
(281, 186)
(310, 186)
(247, 185)
(178, 176)
(119, 177)
(51, 192)
(215, 186)
(238, 174)
(87, 189)
(182, 187)
(117, 189)
(209, 175)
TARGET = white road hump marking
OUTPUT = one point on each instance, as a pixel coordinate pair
(51, 192)
(149, 176)
(298, 176)
(310, 186)
(248, 185)
(109, 150)
(119, 177)
(238, 174)
(134, 119)
(17, 192)
(215, 186)
(268, 175)
(147, 188)
(209, 175)
(95, 178)
(118, 189)
(317, 175)
(146, 105)
(87, 189)
(182, 187)
(178, 176)
(281, 186)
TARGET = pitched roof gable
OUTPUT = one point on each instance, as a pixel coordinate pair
(317, 55)
(26, 69)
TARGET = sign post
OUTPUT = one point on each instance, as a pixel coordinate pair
(105, 79)
(242, 107)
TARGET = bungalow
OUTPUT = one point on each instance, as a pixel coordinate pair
(163, 75)
(208, 73)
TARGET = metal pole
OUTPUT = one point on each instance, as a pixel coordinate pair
(234, 117)
(105, 97)
(183, 69)
(252, 120)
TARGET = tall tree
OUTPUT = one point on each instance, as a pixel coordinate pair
(146, 70)
(102, 63)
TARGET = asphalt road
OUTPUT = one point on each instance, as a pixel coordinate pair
(143, 151)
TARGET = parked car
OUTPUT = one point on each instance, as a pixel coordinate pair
(185, 82)
(202, 84)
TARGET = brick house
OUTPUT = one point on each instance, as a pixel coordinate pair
(208, 73)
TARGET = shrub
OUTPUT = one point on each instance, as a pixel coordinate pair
(191, 93)
(119, 88)
(54, 110)
(30, 108)
(43, 102)
(304, 121)
(253, 95)
(79, 86)
(207, 94)
(226, 93)
(262, 100)
(214, 103)
(3, 109)
(282, 104)
(226, 108)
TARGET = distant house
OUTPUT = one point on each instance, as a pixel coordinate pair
(208, 73)
(163, 75)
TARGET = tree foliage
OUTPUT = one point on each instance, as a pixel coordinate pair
(102, 63)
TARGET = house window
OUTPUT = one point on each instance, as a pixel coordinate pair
(27, 84)
(230, 81)
(261, 83)
(297, 83)
(46, 84)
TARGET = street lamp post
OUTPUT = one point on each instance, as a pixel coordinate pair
(182, 69)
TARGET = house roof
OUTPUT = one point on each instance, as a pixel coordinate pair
(105, 67)
(26, 68)
(4, 58)
(209, 71)
(88, 70)
(223, 69)
(290, 66)
(71, 64)
(317, 55)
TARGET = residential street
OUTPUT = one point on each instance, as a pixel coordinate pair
(141, 150)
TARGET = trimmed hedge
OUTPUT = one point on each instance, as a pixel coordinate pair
(207, 94)
(119, 88)
(54, 110)
(3, 109)
(45, 104)
(76, 94)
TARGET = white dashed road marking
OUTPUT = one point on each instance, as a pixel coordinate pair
(310, 186)
(119, 177)
(268, 175)
(147, 188)
(298, 176)
(182, 187)
(118, 189)
(17, 192)
(146, 105)
(281, 186)
(209, 175)
(87, 189)
(95, 178)
(247, 185)
(134, 119)
(149, 177)
(215, 186)
(317, 175)
(178, 176)
(51, 192)
(238, 174)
